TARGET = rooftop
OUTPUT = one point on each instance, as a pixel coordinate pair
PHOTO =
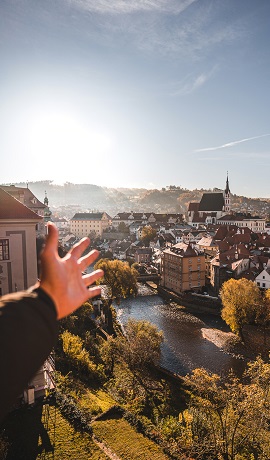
(11, 208)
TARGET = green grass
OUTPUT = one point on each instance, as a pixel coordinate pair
(96, 401)
(125, 442)
(28, 438)
(70, 444)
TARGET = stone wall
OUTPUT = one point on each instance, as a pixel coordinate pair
(194, 303)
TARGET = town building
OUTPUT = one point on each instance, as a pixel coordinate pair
(138, 219)
(27, 198)
(143, 255)
(182, 268)
(41, 383)
(227, 265)
(18, 254)
(255, 224)
(89, 223)
(263, 279)
(208, 243)
(209, 247)
(62, 225)
(213, 205)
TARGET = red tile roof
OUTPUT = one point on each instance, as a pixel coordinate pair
(11, 208)
(264, 240)
(29, 199)
(239, 238)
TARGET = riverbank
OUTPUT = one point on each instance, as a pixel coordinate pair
(203, 304)
(256, 339)
(256, 342)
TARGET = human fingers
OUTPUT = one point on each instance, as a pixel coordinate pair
(88, 259)
(92, 277)
(94, 291)
(79, 247)
(51, 244)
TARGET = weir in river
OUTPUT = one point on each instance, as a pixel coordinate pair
(190, 340)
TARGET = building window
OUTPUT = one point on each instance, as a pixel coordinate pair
(4, 249)
(263, 285)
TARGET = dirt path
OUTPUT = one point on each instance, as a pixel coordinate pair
(105, 449)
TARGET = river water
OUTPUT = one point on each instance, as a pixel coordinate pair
(184, 347)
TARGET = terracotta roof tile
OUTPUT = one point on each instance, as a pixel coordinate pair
(29, 199)
(11, 208)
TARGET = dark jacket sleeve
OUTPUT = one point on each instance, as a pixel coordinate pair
(28, 331)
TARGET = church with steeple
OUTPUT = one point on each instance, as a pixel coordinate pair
(227, 197)
(47, 211)
(213, 206)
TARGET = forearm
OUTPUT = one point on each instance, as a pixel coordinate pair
(28, 331)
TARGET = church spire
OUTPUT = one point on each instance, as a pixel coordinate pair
(227, 189)
(46, 201)
(47, 211)
(227, 196)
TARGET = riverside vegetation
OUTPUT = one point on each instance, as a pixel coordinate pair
(113, 400)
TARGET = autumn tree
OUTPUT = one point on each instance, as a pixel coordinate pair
(267, 305)
(122, 227)
(263, 311)
(129, 361)
(262, 319)
(79, 358)
(120, 278)
(142, 347)
(148, 234)
(240, 300)
(228, 421)
(138, 348)
(80, 321)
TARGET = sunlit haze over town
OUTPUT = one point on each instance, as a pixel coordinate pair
(136, 93)
(134, 229)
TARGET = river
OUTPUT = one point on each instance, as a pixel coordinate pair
(184, 347)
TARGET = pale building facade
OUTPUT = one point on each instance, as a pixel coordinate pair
(255, 224)
(18, 255)
(27, 198)
(87, 223)
(263, 279)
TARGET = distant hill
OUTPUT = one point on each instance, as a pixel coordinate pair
(89, 197)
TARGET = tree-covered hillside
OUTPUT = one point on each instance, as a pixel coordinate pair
(89, 197)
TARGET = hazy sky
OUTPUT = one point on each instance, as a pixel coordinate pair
(137, 93)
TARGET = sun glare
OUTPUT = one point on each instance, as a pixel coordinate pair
(59, 134)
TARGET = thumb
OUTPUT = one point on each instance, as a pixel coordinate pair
(51, 244)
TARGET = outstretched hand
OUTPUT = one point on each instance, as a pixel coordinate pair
(62, 279)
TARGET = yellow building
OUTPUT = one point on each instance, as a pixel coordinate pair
(87, 223)
(182, 268)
